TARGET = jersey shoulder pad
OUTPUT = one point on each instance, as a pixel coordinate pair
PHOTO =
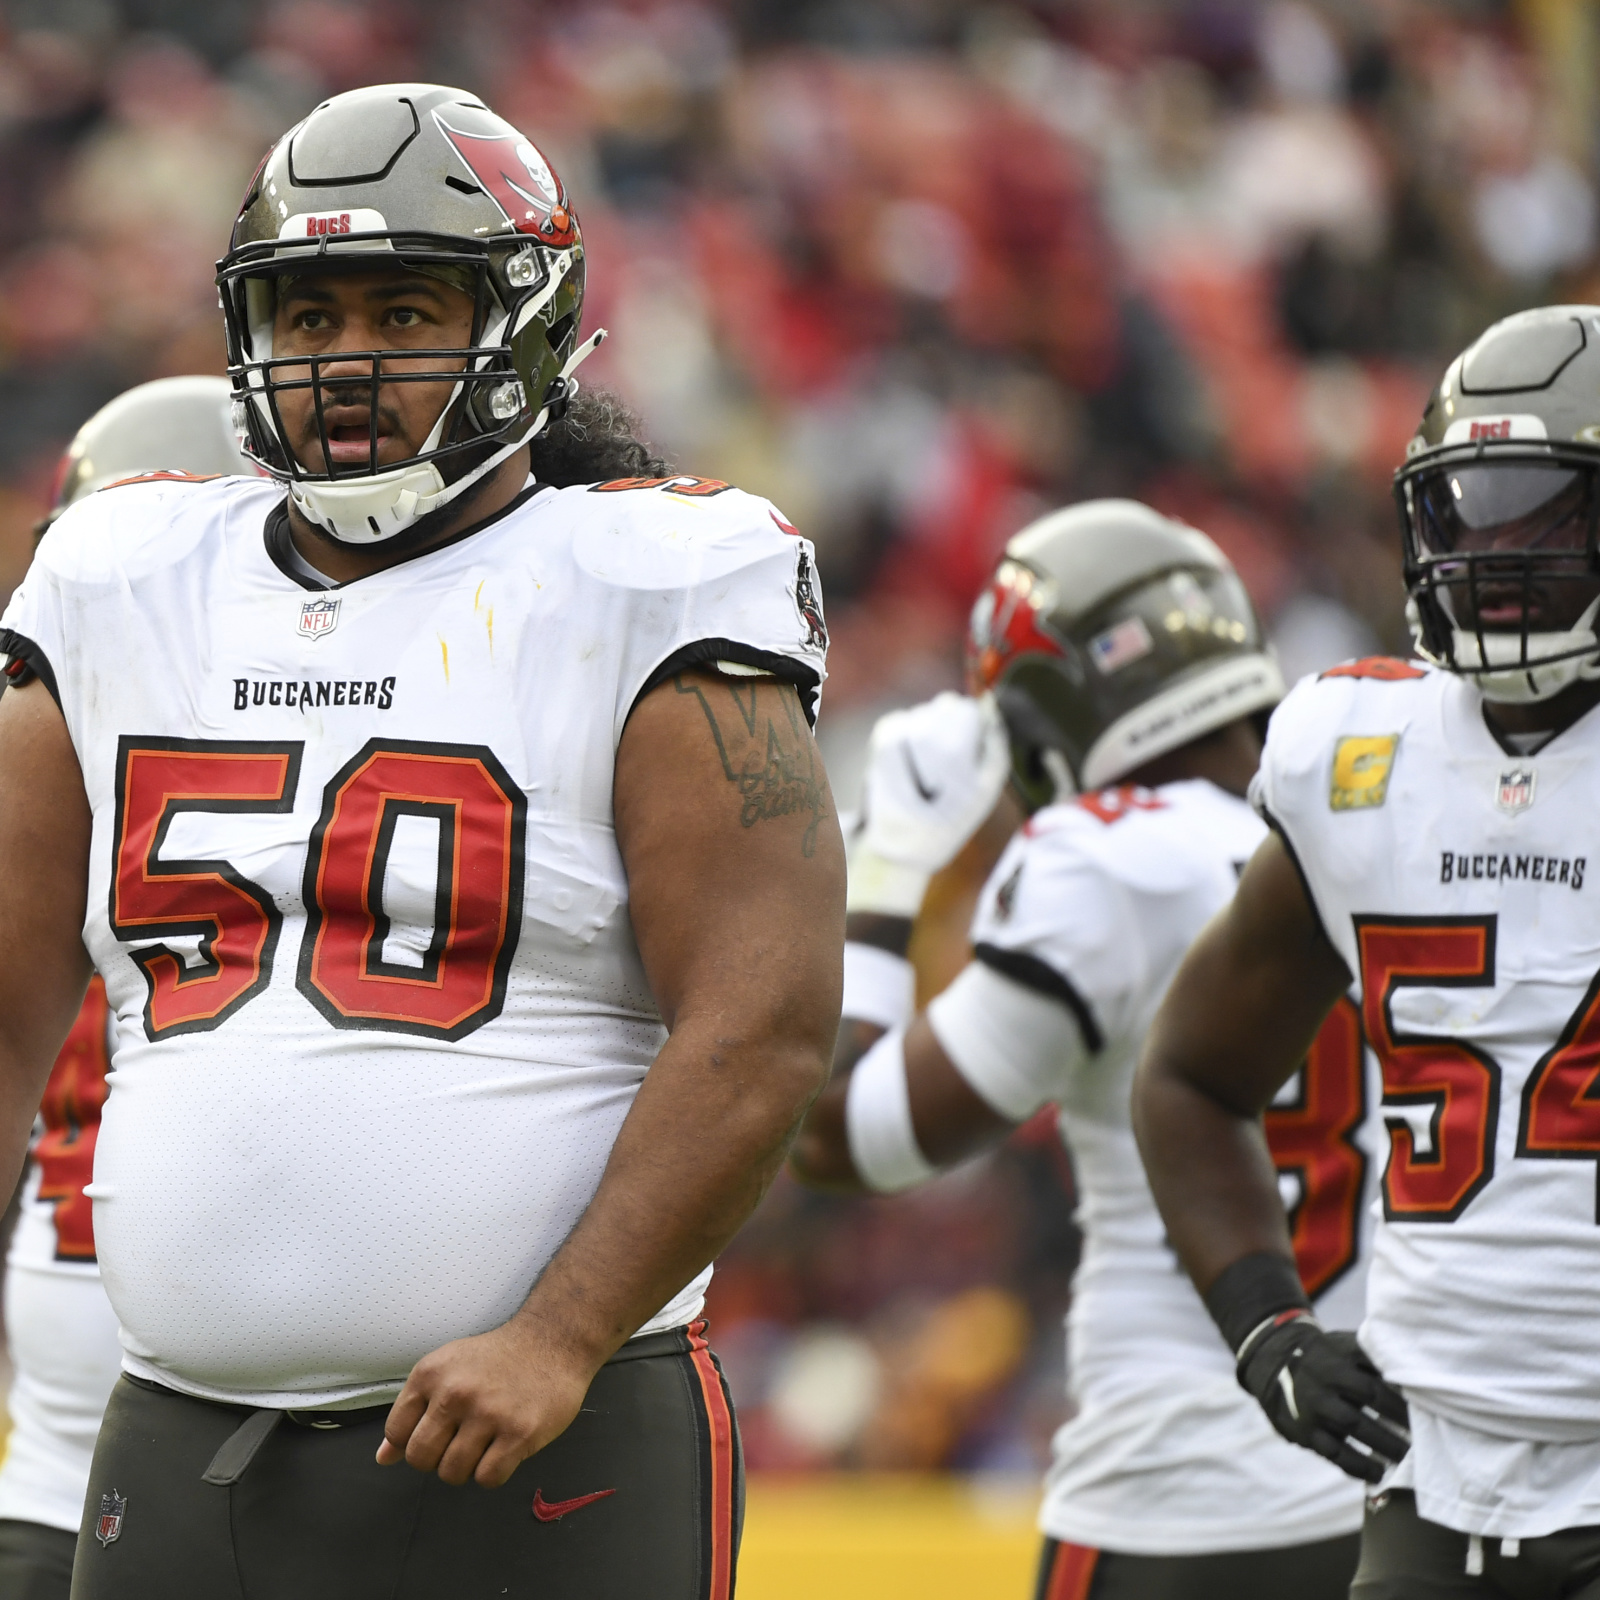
(1152, 841)
(1333, 739)
(140, 523)
(1385, 669)
(655, 533)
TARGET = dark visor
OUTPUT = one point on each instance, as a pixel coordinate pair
(1506, 506)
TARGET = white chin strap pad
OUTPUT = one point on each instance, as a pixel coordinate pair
(370, 510)
(1554, 660)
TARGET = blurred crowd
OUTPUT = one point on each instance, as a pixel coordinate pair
(918, 270)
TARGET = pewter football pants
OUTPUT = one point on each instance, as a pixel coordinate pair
(1319, 1571)
(641, 1496)
(1405, 1557)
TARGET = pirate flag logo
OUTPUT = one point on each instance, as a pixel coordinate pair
(809, 604)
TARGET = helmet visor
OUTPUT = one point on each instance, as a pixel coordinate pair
(1504, 507)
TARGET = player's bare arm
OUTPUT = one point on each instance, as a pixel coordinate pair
(1236, 1023)
(44, 868)
(1238, 1019)
(949, 1119)
(736, 878)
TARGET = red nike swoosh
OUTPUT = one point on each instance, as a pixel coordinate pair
(550, 1510)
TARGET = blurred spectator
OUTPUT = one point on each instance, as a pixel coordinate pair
(918, 269)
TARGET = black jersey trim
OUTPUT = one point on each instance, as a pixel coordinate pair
(35, 664)
(280, 547)
(1300, 872)
(704, 652)
(1042, 978)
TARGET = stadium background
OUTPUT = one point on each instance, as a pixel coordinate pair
(918, 270)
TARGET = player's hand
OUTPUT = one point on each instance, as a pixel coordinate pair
(477, 1408)
(934, 773)
(1320, 1390)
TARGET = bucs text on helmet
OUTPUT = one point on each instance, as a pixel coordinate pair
(426, 178)
(1110, 635)
(1497, 505)
(181, 425)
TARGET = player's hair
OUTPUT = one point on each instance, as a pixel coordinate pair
(596, 440)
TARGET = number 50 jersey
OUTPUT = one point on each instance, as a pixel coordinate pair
(1456, 881)
(357, 899)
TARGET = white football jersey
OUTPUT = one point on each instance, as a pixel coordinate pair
(1097, 902)
(1458, 883)
(61, 1329)
(357, 899)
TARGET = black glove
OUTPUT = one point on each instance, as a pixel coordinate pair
(1319, 1390)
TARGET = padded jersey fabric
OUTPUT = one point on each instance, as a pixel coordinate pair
(1462, 897)
(336, 1141)
(1095, 903)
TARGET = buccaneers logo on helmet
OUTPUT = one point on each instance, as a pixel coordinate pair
(518, 179)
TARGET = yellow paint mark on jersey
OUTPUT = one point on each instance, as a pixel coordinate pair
(444, 651)
(1361, 767)
(477, 596)
(491, 630)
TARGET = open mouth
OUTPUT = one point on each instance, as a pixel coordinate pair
(350, 439)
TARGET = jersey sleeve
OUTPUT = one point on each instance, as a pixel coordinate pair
(1014, 1045)
(714, 576)
(80, 575)
(1290, 791)
(1053, 920)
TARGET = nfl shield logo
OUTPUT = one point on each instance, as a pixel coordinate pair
(319, 616)
(1515, 792)
(112, 1507)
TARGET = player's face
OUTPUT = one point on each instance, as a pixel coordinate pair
(337, 313)
(1512, 510)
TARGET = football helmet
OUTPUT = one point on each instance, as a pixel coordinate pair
(1498, 500)
(172, 424)
(1110, 635)
(427, 178)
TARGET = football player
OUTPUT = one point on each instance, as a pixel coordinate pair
(469, 898)
(61, 1330)
(1122, 678)
(1433, 835)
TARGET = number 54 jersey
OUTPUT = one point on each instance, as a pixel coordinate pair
(357, 900)
(1457, 881)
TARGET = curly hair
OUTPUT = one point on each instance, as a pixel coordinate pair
(595, 440)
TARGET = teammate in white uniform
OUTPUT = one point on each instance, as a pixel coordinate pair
(1434, 838)
(467, 891)
(61, 1329)
(1126, 657)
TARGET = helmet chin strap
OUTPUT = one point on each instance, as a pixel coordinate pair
(1554, 660)
(370, 510)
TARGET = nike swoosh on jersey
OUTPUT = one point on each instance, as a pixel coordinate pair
(916, 777)
(552, 1510)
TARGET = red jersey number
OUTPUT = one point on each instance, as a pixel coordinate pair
(480, 814)
(1314, 1139)
(1453, 1085)
(73, 1098)
(236, 920)
(460, 983)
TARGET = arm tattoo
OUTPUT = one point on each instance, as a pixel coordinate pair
(774, 767)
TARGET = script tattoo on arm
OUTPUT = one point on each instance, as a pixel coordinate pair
(765, 748)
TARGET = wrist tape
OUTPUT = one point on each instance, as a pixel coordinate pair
(889, 888)
(877, 1120)
(1251, 1292)
(879, 986)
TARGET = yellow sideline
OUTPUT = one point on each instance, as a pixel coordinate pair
(888, 1538)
